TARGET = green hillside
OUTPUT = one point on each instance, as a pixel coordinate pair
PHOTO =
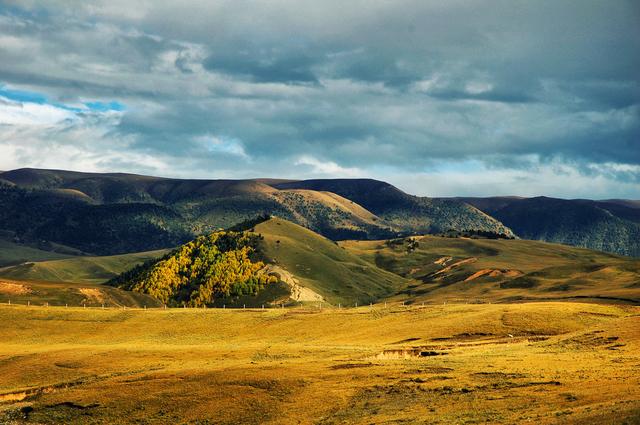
(322, 266)
(484, 270)
(81, 269)
(12, 254)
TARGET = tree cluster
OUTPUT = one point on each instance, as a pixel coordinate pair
(221, 264)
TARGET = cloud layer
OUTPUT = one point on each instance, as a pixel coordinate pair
(441, 98)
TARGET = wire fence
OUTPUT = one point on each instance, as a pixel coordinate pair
(262, 307)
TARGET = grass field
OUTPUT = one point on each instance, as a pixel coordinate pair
(509, 363)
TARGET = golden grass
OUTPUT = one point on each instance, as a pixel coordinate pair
(506, 363)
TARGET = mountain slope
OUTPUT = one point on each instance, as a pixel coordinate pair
(486, 270)
(34, 215)
(116, 213)
(405, 212)
(611, 226)
(322, 266)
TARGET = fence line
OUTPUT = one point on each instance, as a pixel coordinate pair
(262, 307)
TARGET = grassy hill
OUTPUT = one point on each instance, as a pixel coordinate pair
(79, 269)
(415, 269)
(612, 226)
(322, 266)
(13, 253)
(31, 275)
(274, 262)
(483, 270)
(39, 293)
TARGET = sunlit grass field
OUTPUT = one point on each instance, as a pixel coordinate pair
(456, 363)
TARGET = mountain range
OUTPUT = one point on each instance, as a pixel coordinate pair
(114, 213)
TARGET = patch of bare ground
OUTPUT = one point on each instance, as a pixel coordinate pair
(9, 288)
(454, 265)
(494, 273)
(92, 294)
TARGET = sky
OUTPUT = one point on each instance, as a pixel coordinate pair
(440, 98)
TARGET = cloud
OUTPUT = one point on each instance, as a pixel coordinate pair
(326, 168)
(302, 89)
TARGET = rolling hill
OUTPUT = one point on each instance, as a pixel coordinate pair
(322, 267)
(74, 269)
(312, 268)
(444, 269)
(12, 254)
(612, 226)
(114, 213)
(275, 261)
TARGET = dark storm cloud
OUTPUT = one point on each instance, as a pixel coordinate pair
(366, 85)
(264, 66)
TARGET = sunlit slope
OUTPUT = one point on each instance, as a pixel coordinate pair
(324, 267)
(76, 269)
(403, 211)
(501, 270)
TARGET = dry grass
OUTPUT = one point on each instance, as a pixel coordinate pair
(507, 363)
(8, 288)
